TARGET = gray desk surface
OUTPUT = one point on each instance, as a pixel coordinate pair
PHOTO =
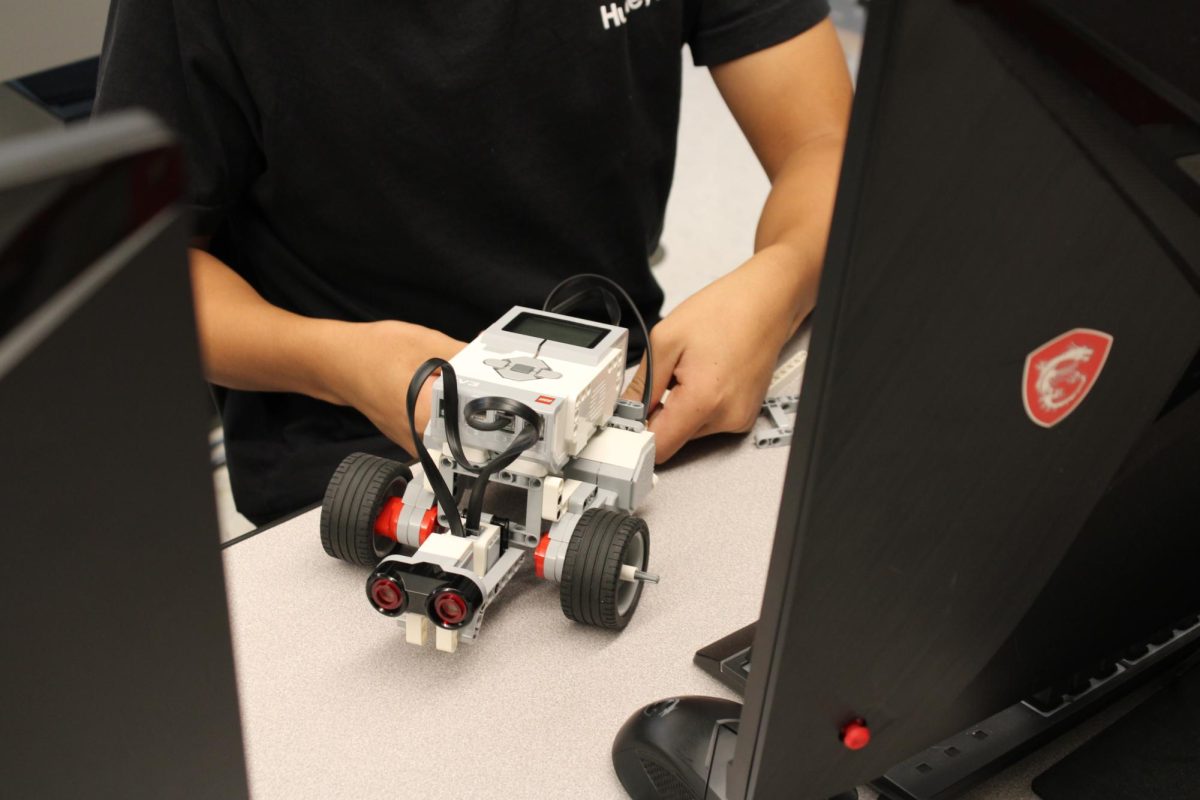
(336, 704)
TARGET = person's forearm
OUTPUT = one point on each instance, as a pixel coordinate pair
(794, 225)
(248, 343)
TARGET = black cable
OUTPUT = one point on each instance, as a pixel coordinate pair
(568, 304)
(601, 285)
(503, 409)
(441, 491)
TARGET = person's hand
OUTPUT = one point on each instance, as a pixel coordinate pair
(716, 352)
(374, 369)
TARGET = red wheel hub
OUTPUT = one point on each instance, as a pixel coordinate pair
(539, 556)
(389, 516)
(428, 523)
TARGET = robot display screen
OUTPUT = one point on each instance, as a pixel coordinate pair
(558, 330)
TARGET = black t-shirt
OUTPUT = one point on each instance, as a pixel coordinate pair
(426, 161)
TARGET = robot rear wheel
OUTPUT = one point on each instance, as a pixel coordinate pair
(592, 591)
(360, 486)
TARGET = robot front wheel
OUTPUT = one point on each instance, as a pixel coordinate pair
(356, 493)
(592, 591)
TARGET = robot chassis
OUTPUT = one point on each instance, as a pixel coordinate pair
(591, 465)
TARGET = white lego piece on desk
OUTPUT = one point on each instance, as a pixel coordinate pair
(787, 368)
(447, 641)
(416, 628)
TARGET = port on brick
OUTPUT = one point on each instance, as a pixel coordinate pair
(953, 751)
(980, 735)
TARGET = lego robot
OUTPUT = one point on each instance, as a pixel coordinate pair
(533, 405)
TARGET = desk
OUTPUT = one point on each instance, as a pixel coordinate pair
(335, 703)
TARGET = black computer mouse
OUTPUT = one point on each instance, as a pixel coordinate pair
(662, 751)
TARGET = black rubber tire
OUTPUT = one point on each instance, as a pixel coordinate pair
(591, 578)
(353, 499)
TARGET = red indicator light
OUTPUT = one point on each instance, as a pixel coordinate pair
(856, 735)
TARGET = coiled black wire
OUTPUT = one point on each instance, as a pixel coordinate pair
(503, 410)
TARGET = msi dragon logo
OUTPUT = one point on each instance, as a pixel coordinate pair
(1060, 373)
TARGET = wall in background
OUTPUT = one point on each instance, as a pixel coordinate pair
(36, 35)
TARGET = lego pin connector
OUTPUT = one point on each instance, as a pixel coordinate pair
(632, 573)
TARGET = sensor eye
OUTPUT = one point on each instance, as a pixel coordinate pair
(387, 595)
(450, 608)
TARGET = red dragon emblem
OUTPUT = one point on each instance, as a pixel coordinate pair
(1060, 373)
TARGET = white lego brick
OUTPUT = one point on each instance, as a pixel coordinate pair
(416, 628)
(628, 572)
(570, 486)
(617, 447)
(475, 455)
(573, 378)
(552, 493)
(530, 469)
(446, 545)
(447, 641)
(579, 439)
(482, 544)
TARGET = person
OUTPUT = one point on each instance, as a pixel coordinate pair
(375, 183)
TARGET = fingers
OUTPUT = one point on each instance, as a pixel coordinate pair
(680, 420)
(666, 358)
(701, 407)
(667, 352)
(636, 386)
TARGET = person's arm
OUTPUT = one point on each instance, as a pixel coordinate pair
(717, 350)
(248, 343)
(174, 57)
